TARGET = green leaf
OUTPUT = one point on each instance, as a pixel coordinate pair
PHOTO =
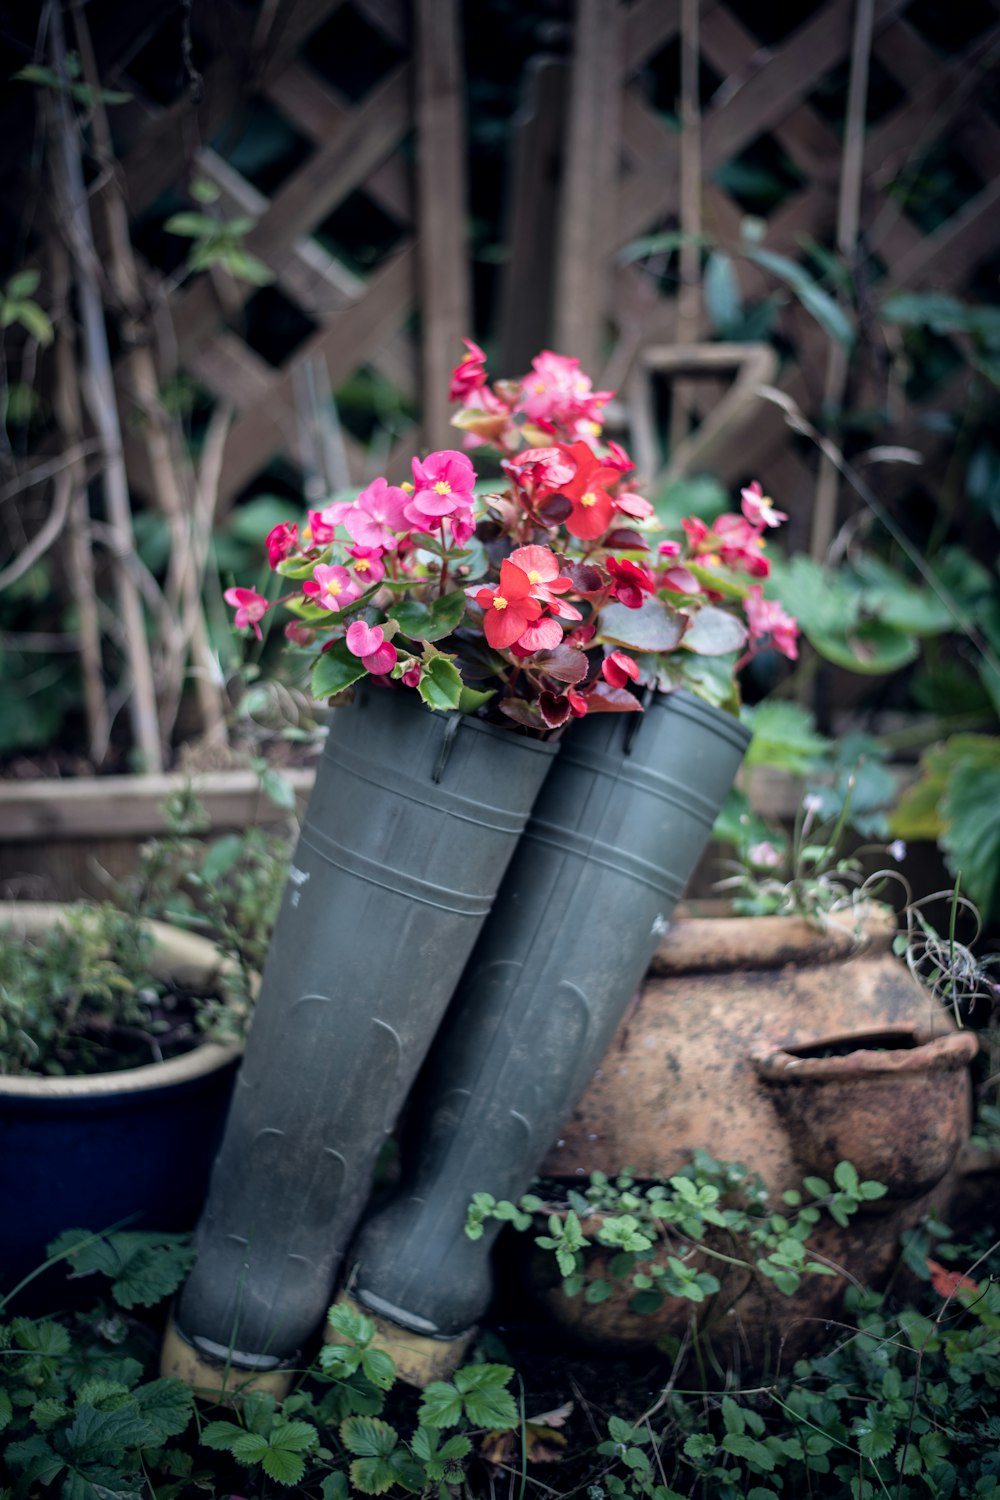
(440, 686)
(970, 808)
(846, 1178)
(22, 284)
(144, 1267)
(784, 735)
(167, 1406)
(870, 647)
(220, 1435)
(470, 699)
(733, 1418)
(7, 1411)
(723, 301)
(249, 1447)
(749, 1448)
(441, 1405)
(334, 1487)
(369, 1437)
(655, 626)
(192, 226)
(422, 622)
(372, 1476)
(379, 1368)
(714, 632)
(283, 1466)
(818, 303)
(102, 1436)
(336, 669)
(486, 1400)
(35, 320)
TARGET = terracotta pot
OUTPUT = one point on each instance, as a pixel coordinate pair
(684, 1071)
(893, 1102)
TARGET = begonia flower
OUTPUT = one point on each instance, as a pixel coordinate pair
(281, 541)
(322, 523)
(368, 566)
(299, 633)
(509, 608)
(618, 668)
(758, 509)
(631, 582)
(558, 392)
(377, 654)
(593, 506)
(377, 515)
(411, 677)
(250, 608)
(543, 635)
(770, 624)
(332, 586)
(469, 374)
(442, 482)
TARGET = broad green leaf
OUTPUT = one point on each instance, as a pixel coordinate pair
(818, 303)
(784, 735)
(102, 1436)
(970, 808)
(167, 1406)
(23, 284)
(283, 1466)
(368, 1437)
(733, 1418)
(7, 1411)
(487, 1401)
(335, 670)
(220, 1435)
(714, 632)
(721, 290)
(471, 698)
(871, 647)
(249, 1447)
(421, 622)
(372, 1476)
(379, 1368)
(441, 1405)
(749, 1448)
(440, 685)
(655, 626)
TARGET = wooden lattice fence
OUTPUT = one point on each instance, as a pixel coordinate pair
(353, 146)
(624, 179)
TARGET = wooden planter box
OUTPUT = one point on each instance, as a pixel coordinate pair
(60, 840)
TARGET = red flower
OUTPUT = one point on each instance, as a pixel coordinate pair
(281, 540)
(946, 1283)
(509, 608)
(631, 582)
(618, 669)
(469, 374)
(593, 506)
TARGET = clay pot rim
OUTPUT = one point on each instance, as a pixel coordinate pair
(719, 943)
(931, 1052)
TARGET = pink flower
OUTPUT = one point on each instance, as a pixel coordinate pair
(249, 606)
(764, 855)
(281, 540)
(559, 393)
(738, 545)
(540, 470)
(758, 509)
(770, 625)
(377, 654)
(300, 634)
(617, 458)
(411, 677)
(577, 703)
(463, 524)
(443, 482)
(322, 522)
(376, 515)
(633, 505)
(618, 669)
(469, 374)
(669, 549)
(419, 520)
(332, 586)
(543, 635)
(368, 566)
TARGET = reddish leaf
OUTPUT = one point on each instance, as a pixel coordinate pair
(522, 713)
(554, 509)
(609, 700)
(554, 708)
(587, 577)
(564, 664)
(632, 541)
(680, 581)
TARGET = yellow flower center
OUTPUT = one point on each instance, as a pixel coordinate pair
(499, 602)
(588, 499)
(540, 388)
(442, 487)
(534, 576)
(334, 587)
(362, 565)
(407, 486)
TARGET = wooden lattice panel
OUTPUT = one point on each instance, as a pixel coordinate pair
(768, 92)
(353, 319)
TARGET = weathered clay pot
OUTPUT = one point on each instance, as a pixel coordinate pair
(684, 1071)
(893, 1102)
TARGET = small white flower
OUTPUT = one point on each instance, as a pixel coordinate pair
(898, 850)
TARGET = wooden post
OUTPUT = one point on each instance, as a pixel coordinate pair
(586, 211)
(532, 216)
(442, 210)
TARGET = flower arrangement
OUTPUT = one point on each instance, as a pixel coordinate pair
(546, 598)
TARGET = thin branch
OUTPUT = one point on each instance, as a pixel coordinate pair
(689, 290)
(44, 537)
(100, 396)
(48, 470)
